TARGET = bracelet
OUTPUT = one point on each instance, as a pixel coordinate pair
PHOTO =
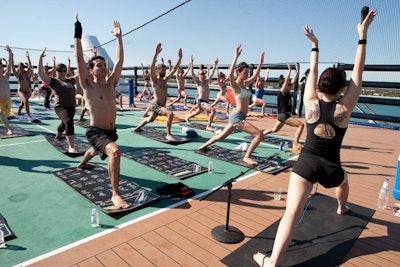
(315, 49)
(362, 41)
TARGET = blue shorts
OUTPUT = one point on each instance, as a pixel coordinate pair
(237, 117)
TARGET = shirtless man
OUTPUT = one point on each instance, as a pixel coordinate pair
(180, 80)
(203, 90)
(100, 97)
(159, 79)
(24, 84)
(5, 100)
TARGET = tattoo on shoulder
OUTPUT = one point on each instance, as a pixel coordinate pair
(312, 113)
(340, 117)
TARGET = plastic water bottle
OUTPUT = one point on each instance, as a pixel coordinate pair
(384, 195)
(281, 146)
(210, 167)
(2, 242)
(94, 218)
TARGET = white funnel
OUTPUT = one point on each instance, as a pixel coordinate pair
(88, 42)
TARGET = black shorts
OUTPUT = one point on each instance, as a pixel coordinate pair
(316, 169)
(100, 138)
(282, 117)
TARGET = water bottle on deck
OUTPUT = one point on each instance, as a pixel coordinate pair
(384, 195)
(210, 167)
(94, 218)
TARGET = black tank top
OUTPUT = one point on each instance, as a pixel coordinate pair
(284, 103)
(328, 148)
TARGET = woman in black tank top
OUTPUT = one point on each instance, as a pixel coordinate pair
(327, 121)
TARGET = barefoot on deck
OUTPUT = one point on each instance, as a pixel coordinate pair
(138, 129)
(342, 212)
(260, 259)
(250, 161)
(9, 132)
(187, 121)
(297, 148)
(86, 166)
(210, 129)
(119, 202)
(203, 148)
(170, 138)
(72, 150)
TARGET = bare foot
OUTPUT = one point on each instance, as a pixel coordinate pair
(340, 211)
(138, 129)
(72, 150)
(210, 129)
(297, 148)
(203, 148)
(250, 161)
(187, 121)
(261, 259)
(59, 136)
(170, 138)
(9, 132)
(86, 166)
(119, 202)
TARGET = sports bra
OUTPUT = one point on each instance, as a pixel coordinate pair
(244, 93)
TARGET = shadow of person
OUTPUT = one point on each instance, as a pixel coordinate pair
(32, 165)
(375, 244)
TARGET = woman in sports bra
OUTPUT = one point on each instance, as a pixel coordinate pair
(237, 118)
(259, 94)
(221, 97)
(24, 82)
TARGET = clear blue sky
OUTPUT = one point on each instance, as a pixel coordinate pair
(206, 29)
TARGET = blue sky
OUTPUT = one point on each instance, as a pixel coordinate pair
(206, 29)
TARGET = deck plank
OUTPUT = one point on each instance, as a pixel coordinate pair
(182, 236)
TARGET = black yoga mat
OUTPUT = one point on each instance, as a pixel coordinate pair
(17, 132)
(160, 161)
(8, 234)
(276, 140)
(322, 238)
(201, 126)
(62, 145)
(268, 165)
(83, 124)
(35, 117)
(158, 135)
(94, 185)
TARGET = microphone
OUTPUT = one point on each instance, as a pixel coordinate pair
(364, 13)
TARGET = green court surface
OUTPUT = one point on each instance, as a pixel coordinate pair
(46, 214)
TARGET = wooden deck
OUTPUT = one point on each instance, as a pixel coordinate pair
(181, 236)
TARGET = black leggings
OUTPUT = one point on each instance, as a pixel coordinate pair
(66, 116)
(47, 94)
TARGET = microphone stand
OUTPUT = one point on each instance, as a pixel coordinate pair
(225, 233)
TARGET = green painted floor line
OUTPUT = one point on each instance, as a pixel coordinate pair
(46, 214)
